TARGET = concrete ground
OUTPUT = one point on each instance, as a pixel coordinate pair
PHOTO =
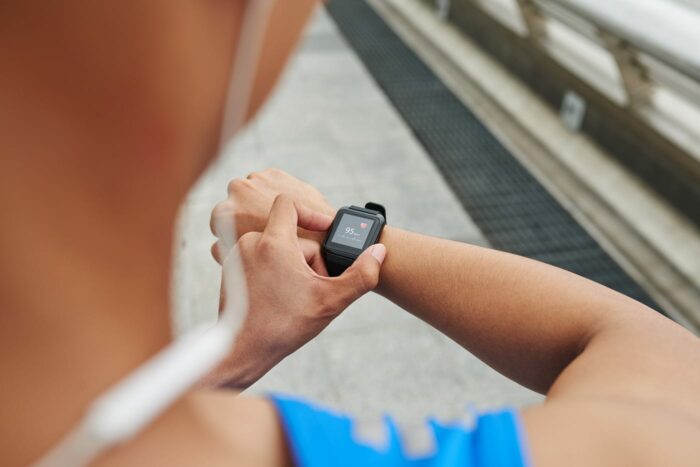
(329, 124)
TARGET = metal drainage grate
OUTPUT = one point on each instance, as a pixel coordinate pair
(513, 210)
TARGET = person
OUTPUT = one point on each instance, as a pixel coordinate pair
(110, 112)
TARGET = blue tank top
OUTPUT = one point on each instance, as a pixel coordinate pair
(320, 437)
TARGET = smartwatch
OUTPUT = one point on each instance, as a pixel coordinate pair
(354, 229)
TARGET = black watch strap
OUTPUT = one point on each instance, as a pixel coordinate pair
(337, 264)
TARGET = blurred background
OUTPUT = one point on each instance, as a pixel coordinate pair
(567, 131)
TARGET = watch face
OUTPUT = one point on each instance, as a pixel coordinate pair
(352, 231)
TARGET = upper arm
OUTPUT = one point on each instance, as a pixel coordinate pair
(609, 433)
(632, 397)
(647, 358)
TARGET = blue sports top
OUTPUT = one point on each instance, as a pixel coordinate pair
(319, 437)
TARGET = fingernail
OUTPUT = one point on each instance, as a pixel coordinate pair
(378, 251)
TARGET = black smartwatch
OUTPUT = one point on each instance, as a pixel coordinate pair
(354, 229)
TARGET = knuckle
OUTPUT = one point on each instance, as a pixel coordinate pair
(248, 239)
(222, 210)
(283, 200)
(266, 246)
(243, 218)
(232, 184)
(236, 185)
(219, 252)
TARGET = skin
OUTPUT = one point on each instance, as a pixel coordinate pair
(110, 111)
(622, 381)
(304, 299)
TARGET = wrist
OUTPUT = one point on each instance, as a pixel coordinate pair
(241, 368)
(388, 238)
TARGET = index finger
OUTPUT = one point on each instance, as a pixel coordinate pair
(312, 220)
(286, 216)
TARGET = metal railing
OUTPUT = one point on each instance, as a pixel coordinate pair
(643, 55)
(663, 29)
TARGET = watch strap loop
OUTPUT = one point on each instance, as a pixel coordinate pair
(376, 207)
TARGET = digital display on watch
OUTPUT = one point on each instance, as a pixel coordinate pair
(352, 231)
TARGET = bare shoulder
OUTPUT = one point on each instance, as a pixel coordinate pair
(209, 428)
(610, 433)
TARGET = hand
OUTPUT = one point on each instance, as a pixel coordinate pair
(291, 299)
(249, 201)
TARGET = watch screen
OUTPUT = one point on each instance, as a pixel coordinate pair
(352, 231)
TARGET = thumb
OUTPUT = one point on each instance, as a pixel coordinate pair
(362, 276)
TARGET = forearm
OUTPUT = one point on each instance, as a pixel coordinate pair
(526, 319)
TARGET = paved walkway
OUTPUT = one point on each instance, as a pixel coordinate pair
(329, 124)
